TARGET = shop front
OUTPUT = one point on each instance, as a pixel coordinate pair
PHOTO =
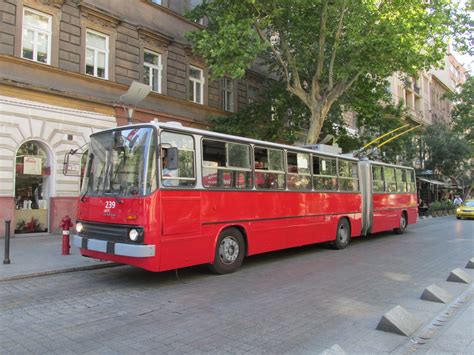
(34, 193)
(32, 172)
(431, 190)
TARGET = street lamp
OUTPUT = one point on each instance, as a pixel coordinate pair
(136, 93)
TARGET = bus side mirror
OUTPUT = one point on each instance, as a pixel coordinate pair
(172, 158)
(71, 168)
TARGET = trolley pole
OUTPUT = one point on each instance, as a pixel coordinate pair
(6, 259)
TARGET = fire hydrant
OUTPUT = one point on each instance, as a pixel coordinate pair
(65, 224)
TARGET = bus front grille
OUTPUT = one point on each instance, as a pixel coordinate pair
(110, 232)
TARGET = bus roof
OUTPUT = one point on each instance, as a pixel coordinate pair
(175, 126)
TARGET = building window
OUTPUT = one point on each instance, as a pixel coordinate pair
(192, 4)
(36, 44)
(252, 93)
(227, 95)
(196, 84)
(97, 54)
(158, 2)
(152, 70)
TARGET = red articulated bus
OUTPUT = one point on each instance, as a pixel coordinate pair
(160, 196)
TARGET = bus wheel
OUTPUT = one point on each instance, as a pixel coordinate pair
(230, 252)
(343, 234)
(403, 224)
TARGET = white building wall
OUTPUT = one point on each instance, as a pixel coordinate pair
(23, 120)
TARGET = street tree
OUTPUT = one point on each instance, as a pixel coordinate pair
(282, 117)
(463, 125)
(446, 150)
(319, 48)
(463, 110)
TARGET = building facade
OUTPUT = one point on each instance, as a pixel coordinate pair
(424, 95)
(64, 65)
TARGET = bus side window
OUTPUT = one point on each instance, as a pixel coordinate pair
(390, 181)
(268, 165)
(298, 177)
(238, 162)
(213, 156)
(401, 176)
(226, 164)
(324, 173)
(348, 176)
(377, 179)
(411, 185)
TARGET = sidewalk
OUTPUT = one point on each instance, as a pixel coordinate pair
(458, 337)
(41, 255)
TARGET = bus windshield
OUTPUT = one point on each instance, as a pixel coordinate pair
(121, 163)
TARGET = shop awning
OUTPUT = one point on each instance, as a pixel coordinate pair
(435, 182)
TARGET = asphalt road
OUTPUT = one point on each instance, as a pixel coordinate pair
(302, 300)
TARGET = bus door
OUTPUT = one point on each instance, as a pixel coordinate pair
(180, 202)
(385, 201)
(365, 180)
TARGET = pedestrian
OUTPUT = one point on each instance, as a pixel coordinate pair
(457, 201)
(422, 208)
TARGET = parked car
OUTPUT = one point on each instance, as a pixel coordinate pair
(466, 210)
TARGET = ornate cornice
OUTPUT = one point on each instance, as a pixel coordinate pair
(147, 33)
(98, 15)
(54, 3)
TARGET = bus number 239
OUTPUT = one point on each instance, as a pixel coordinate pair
(109, 204)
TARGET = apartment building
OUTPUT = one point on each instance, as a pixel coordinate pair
(424, 95)
(64, 65)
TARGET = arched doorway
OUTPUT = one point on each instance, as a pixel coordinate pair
(32, 188)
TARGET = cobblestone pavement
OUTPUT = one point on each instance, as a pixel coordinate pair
(303, 300)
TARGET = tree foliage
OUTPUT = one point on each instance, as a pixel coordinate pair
(463, 110)
(282, 117)
(319, 48)
(447, 151)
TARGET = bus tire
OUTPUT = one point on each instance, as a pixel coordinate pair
(230, 252)
(343, 234)
(403, 224)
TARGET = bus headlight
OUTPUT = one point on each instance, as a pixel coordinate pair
(133, 235)
(79, 227)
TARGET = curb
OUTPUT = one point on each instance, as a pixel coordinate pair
(60, 271)
(431, 217)
(422, 340)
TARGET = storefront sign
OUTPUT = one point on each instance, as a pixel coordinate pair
(32, 165)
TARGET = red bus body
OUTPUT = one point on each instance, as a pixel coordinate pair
(183, 225)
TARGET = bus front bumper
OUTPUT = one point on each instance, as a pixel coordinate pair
(122, 249)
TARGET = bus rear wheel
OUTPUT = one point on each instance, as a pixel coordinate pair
(343, 234)
(230, 252)
(403, 224)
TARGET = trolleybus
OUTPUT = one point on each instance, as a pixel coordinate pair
(161, 196)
